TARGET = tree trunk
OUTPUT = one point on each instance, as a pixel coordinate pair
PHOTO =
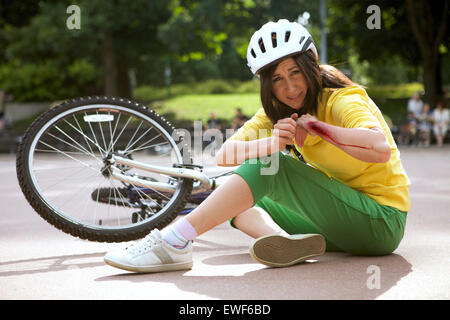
(428, 31)
(109, 65)
(430, 77)
(123, 81)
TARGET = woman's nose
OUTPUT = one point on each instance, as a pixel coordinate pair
(291, 88)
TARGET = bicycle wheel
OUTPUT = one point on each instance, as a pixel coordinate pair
(61, 163)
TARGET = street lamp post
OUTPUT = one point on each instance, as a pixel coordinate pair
(323, 32)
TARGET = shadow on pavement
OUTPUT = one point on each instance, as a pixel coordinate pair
(334, 276)
(51, 264)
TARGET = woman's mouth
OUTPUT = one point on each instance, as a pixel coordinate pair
(295, 97)
(295, 101)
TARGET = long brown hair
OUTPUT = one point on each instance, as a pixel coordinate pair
(317, 78)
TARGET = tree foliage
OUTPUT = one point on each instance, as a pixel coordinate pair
(197, 40)
(411, 32)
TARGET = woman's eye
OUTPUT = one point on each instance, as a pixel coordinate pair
(295, 72)
(276, 79)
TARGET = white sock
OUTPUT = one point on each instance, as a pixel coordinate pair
(179, 234)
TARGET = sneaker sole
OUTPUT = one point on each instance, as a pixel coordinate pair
(280, 251)
(154, 268)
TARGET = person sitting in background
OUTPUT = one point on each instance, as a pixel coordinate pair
(409, 129)
(415, 104)
(239, 119)
(213, 122)
(425, 121)
(441, 119)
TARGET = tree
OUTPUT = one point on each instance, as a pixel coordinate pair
(428, 21)
(113, 35)
(121, 32)
(396, 37)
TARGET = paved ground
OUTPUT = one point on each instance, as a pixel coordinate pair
(38, 261)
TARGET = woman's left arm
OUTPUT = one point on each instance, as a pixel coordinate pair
(365, 144)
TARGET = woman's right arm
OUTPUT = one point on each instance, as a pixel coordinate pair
(235, 152)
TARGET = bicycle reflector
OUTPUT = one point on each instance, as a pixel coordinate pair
(98, 118)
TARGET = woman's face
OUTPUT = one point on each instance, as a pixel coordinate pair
(288, 84)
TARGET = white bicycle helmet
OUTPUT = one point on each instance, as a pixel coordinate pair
(276, 40)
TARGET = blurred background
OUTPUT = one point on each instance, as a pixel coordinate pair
(187, 58)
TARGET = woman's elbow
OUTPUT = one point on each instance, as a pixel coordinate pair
(382, 149)
(383, 152)
(385, 156)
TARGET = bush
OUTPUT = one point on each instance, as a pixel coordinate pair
(251, 86)
(47, 81)
(394, 91)
(215, 87)
(149, 93)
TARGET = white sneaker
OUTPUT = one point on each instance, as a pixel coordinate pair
(151, 254)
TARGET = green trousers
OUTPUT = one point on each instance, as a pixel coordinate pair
(301, 199)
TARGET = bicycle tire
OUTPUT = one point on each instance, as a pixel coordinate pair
(27, 155)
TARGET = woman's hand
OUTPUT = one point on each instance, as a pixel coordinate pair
(304, 128)
(283, 133)
(305, 121)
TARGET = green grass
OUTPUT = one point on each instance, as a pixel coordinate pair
(198, 106)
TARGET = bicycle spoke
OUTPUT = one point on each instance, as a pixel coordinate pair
(111, 147)
(120, 134)
(115, 200)
(134, 134)
(80, 148)
(89, 200)
(53, 151)
(140, 147)
(126, 149)
(73, 197)
(100, 149)
(101, 130)
(146, 195)
(83, 135)
(63, 153)
(121, 196)
(65, 179)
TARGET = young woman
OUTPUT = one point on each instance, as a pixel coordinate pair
(351, 194)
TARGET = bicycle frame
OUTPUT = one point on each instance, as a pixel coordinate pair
(203, 182)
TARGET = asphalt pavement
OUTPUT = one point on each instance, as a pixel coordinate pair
(38, 261)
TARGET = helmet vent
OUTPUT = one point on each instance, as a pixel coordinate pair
(286, 36)
(253, 53)
(261, 45)
(301, 39)
(274, 39)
